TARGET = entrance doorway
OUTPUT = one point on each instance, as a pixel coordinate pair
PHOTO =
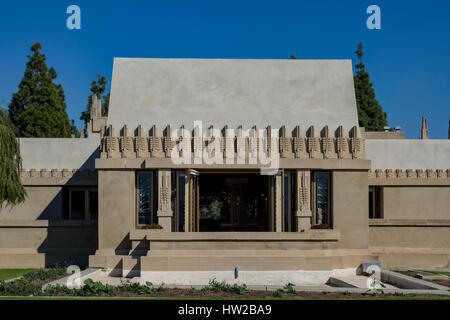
(232, 202)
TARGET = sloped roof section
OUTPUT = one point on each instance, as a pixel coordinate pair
(232, 92)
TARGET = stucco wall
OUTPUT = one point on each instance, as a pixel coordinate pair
(422, 202)
(117, 202)
(59, 153)
(42, 243)
(408, 154)
(350, 208)
(42, 202)
(412, 236)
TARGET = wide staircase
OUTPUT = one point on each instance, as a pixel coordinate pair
(156, 251)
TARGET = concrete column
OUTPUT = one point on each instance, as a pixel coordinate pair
(302, 198)
(164, 202)
(278, 203)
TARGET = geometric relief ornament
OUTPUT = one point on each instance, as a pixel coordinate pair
(303, 212)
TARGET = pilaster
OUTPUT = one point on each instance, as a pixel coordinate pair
(303, 212)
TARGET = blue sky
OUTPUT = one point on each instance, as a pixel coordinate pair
(408, 59)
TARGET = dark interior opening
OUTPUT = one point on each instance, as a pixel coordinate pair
(234, 202)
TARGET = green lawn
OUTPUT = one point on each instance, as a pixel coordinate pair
(438, 272)
(6, 274)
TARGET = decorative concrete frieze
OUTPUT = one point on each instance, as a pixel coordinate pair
(110, 145)
(431, 173)
(421, 174)
(141, 144)
(285, 144)
(390, 174)
(409, 174)
(56, 176)
(400, 174)
(314, 149)
(240, 143)
(34, 173)
(357, 144)
(155, 144)
(299, 144)
(441, 174)
(45, 173)
(379, 173)
(168, 143)
(127, 148)
(342, 144)
(328, 145)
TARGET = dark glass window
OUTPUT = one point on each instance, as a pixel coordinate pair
(375, 202)
(321, 199)
(289, 201)
(145, 186)
(181, 201)
(78, 205)
(93, 205)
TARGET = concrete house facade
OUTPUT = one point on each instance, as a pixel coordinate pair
(207, 165)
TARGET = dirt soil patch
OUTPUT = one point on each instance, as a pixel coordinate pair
(413, 274)
(260, 294)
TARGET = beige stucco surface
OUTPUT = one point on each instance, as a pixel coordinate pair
(408, 154)
(41, 203)
(410, 236)
(59, 153)
(350, 208)
(431, 202)
(37, 244)
(116, 208)
(232, 92)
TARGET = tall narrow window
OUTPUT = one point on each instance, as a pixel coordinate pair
(145, 198)
(375, 202)
(181, 209)
(93, 205)
(289, 201)
(178, 200)
(320, 186)
(77, 205)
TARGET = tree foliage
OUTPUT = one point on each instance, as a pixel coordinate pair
(11, 190)
(38, 108)
(98, 87)
(370, 113)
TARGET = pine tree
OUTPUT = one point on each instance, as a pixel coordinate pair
(98, 88)
(370, 113)
(11, 190)
(38, 108)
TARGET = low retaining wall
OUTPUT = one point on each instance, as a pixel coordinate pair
(42, 243)
(408, 243)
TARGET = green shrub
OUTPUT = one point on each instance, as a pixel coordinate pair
(278, 293)
(215, 286)
(240, 289)
(290, 288)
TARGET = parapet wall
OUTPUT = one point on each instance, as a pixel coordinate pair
(408, 154)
